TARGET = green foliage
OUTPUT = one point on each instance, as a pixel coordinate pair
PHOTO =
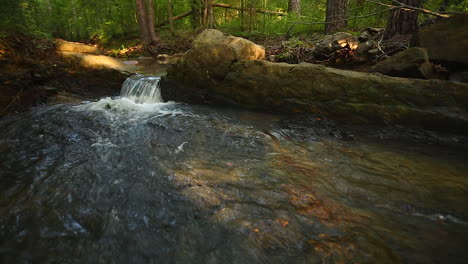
(109, 20)
(11, 14)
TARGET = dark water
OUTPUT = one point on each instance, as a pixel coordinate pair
(118, 182)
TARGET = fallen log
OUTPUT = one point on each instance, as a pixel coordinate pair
(262, 11)
(186, 14)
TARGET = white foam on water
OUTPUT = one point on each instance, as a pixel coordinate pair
(140, 94)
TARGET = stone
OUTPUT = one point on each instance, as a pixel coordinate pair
(353, 97)
(362, 54)
(273, 58)
(213, 52)
(371, 34)
(461, 76)
(410, 63)
(337, 41)
(447, 40)
(168, 59)
(374, 51)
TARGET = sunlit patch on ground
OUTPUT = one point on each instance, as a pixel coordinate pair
(100, 61)
(76, 47)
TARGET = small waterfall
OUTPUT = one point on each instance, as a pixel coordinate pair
(142, 89)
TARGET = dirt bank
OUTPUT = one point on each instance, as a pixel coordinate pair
(33, 72)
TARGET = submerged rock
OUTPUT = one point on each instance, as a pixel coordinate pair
(308, 88)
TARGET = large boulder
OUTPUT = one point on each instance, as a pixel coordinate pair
(446, 40)
(410, 63)
(309, 88)
(213, 52)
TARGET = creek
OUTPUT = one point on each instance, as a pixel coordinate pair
(132, 179)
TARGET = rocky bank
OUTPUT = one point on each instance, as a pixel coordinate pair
(222, 69)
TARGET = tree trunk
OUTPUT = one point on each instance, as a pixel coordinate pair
(336, 15)
(444, 5)
(294, 7)
(403, 22)
(142, 22)
(169, 17)
(197, 13)
(205, 13)
(242, 15)
(150, 22)
(210, 14)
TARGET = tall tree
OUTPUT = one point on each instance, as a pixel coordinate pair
(336, 15)
(294, 6)
(169, 16)
(402, 21)
(145, 16)
(197, 13)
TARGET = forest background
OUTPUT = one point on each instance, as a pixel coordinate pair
(115, 23)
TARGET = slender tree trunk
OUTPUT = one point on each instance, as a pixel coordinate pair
(242, 15)
(169, 17)
(210, 14)
(197, 13)
(205, 13)
(251, 16)
(150, 22)
(294, 7)
(336, 15)
(444, 5)
(403, 22)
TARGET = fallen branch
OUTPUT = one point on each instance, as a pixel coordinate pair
(262, 11)
(221, 5)
(17, 97)
(186, 14)
(409, 8)
(328, 22)
(422, 10)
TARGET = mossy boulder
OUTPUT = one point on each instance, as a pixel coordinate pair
(410, 63)
(213, 52)
(446, 40)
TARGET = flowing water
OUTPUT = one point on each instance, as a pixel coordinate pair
(135, 180)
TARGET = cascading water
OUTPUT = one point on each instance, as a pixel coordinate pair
(142, 89)
(135, 180)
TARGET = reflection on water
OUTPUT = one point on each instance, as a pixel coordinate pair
(118, 182)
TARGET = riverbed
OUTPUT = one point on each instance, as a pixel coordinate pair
(114, 181)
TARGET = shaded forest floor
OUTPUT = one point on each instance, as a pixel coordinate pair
(289, 49)
(33, 73)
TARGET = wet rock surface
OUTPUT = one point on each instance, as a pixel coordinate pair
(120, 182)
(349, 96)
